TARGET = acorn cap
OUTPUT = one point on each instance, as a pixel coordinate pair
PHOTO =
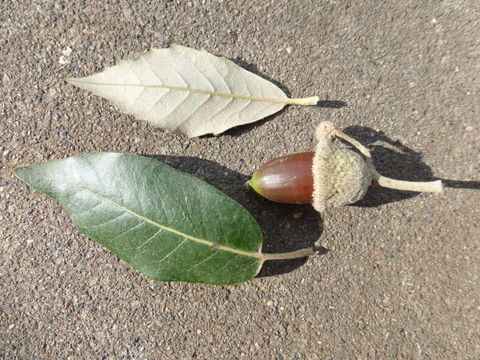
(340, 176)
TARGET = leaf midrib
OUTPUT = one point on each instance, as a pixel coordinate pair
(186, 89)
(210, 244)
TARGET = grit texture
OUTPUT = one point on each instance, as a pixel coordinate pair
(400, 279)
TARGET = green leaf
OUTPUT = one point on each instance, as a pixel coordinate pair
(167, 224)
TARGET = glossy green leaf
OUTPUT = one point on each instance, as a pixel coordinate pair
(167, 224)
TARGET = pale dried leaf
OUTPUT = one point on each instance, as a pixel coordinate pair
(188, 91)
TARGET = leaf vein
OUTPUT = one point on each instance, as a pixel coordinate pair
(184, 120)
(201, 262)
(199, 91)
(212, 86)
(256, 255)
(126, 231)
(229, 90)
(169, 254)
(89, 209)
(223, 108)
(108, 221)
(148, 240)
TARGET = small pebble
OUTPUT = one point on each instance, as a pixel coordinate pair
(63, 133)
(166, 42)
(67, 51)
(46, 120)
(289, 50)
(297, 215)
(63, 60)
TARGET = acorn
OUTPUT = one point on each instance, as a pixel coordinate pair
(329, 177)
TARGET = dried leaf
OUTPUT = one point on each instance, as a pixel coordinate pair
(188, 91)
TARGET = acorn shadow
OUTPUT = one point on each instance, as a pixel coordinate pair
(285, 227)
(460, 184)
(397, 161)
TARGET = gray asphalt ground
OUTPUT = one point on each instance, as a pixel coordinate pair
(400, 279)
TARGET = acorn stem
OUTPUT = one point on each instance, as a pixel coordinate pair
(418, 186)
(289, 255)
(365, 152)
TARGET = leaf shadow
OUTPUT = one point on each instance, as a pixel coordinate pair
(240, 130)
(285, 227)
(254, 69)
(397, 161)
(331, 104)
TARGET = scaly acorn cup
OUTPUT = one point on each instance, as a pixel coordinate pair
(330, 177)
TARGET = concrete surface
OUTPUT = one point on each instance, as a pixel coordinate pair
(401, 277)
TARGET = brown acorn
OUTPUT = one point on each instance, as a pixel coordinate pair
(287, 179)
(332, 176)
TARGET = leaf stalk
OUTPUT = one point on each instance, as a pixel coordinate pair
(313, 100)
(289, 255)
